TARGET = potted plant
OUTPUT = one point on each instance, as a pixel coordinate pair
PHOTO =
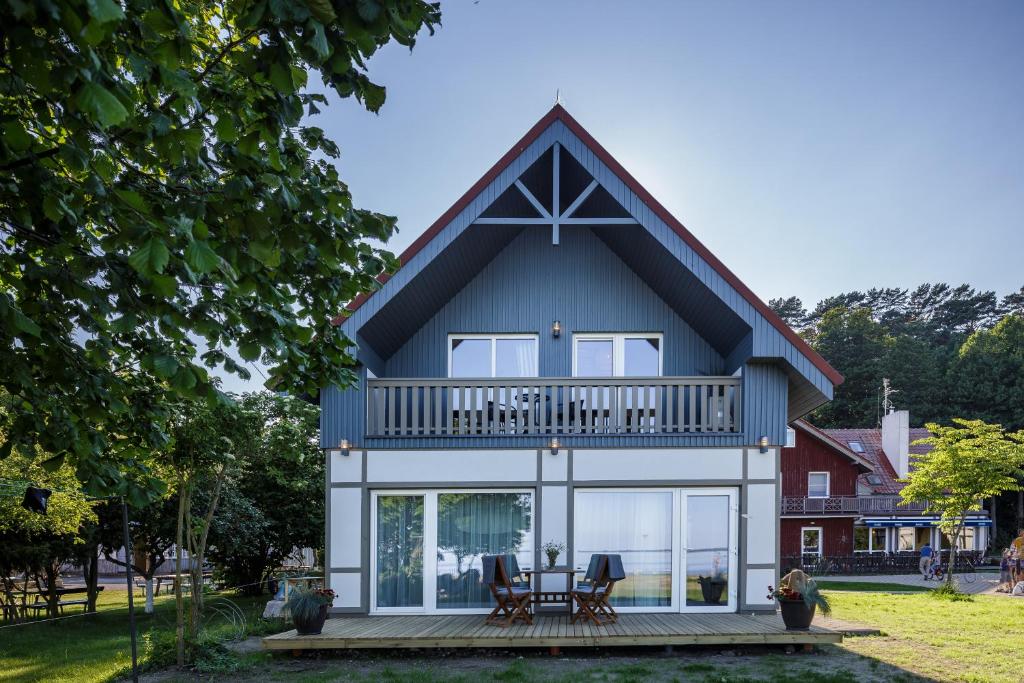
(308, 609)
(553, 550)
(799, 598)
(712, 587)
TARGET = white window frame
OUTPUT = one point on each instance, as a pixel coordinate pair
(430, 546)
(618, 340)
(494, 337)
(828, 484)
(871, 539)
(821, 540)
(680, 496)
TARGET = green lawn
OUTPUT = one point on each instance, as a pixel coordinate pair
(97, 647)
(977, 640)
(924, 637)
(862, 586)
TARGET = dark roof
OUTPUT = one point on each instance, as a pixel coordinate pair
(558, 113)
(871, 440)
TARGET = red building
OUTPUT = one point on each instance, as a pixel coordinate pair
(840, 494)
(819, 475)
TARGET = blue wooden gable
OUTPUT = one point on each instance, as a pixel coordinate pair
(621, 263)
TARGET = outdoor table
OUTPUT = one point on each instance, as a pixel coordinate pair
(543, 598)
(171, 578)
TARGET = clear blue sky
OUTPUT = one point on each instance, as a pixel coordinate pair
(815, 147)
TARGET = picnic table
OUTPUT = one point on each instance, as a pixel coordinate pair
(186, 583)
(17, 603)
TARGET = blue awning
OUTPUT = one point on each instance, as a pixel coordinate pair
(921, 522)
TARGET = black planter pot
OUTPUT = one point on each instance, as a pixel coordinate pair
(796, 615)
(313, 626)
(711, 589)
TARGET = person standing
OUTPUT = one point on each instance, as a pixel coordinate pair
(1017, 554)
(925, 563)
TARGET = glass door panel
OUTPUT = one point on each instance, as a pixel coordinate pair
(399, 530)
(708, 550)
(636, 525)
(470, 525)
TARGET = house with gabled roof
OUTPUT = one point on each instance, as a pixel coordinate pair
(558, 359)
(841, 502)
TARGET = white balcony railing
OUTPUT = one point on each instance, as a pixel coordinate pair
(862, 505)
(553, 405)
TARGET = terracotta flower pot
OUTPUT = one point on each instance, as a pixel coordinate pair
(313, 626)
(796, 615)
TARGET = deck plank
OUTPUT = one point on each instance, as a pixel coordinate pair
(470, 631)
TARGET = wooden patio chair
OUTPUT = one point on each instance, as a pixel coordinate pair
(513, 602)
(614, 574)
(587, 594)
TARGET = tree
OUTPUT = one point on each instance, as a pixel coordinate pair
(206, 440)
(986, 378)
(163, 204)
(856, 346)
(967, 463)
(36, 544)
(273, 500)
(791, 311)
(152, 530)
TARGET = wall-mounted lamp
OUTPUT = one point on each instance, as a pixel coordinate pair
(345, 446)
(554, 446)
(763, 443)
(556, 329)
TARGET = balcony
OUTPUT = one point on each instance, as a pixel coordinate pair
(846, 505)
(460, 407)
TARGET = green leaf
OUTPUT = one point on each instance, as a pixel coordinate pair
(318, 40)
(200, 257)
(249, 351)
(25, 324)
(151, 257)
(368, 10)
(281, 78)
(165, 366)
(52, 464)
(226, 129)
(16, 137)
(104, 11)
(164, 285)
(266, 253)
(322, 10)
(101, 105)
(184, 378)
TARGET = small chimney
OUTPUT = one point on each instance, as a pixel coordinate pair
(896, 440)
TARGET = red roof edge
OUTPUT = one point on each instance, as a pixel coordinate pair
(824, 438)
(559, 113)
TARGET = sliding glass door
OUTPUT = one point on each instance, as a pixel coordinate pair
(428, 546)
(678, 546)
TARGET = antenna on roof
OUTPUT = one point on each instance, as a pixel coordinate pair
(887, 391)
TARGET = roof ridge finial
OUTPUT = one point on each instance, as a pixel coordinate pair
(558, 97)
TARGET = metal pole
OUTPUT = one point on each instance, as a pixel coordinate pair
(131, 600)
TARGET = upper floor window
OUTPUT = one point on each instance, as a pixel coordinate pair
(617, 355)
(492, 355)
(817, 484)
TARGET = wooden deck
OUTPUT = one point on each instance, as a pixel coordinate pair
(464, 631)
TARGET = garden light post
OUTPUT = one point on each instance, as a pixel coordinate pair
(131, 598)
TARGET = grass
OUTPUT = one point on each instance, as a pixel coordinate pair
(973, 639)
(867, 586)
(926, 636)
(97, 647)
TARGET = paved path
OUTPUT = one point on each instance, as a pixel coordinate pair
(986, 581)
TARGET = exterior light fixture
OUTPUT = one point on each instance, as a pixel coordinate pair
(554, 446)
(36, 499)
(345, 446)
(763, 443)
(556, 329)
